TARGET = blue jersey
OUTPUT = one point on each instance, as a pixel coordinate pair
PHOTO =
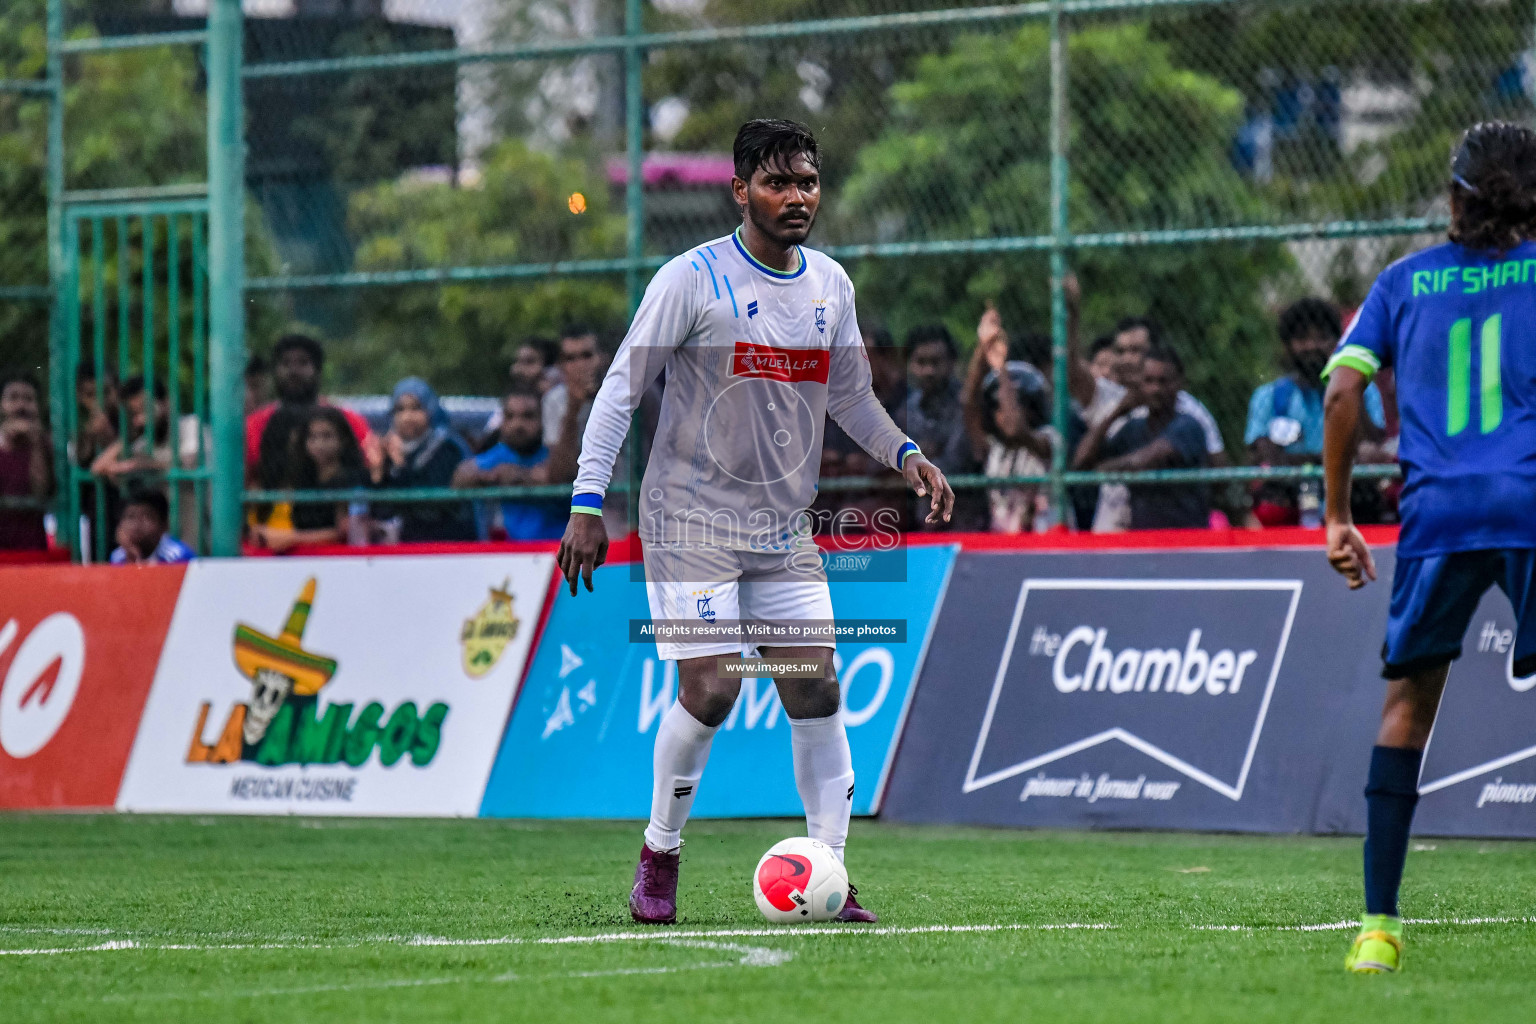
(1459, 329)
(534, 519)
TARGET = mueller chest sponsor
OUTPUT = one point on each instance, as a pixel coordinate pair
(792, 365)
(1180, 671)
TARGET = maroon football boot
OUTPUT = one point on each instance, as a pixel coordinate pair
(853, 912)
(653, 900)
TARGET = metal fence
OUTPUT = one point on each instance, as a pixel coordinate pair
(428, 182)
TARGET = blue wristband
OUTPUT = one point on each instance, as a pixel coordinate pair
(591, 504)
(901, 454)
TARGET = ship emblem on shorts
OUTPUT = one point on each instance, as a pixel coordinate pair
(705, 611)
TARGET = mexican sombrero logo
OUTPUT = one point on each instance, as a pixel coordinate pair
(279, 666)
(284, 721)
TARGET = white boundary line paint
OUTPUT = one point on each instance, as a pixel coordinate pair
(1230, 791)
(750, 956)
(753, 956)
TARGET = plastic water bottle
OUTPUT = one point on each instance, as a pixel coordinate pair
(1309, 503)
(357, 523)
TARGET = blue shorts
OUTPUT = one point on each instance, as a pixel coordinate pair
(1434, 598)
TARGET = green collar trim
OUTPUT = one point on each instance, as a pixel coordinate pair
(778, 275)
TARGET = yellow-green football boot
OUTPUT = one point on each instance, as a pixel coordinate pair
(1378, 949)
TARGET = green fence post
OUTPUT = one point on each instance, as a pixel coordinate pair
(1060, 239)
(634, 139)
(226, 271)
(61, 389)
(634, 206)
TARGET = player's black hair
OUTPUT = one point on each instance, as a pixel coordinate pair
(927, 334)
(255, 366)
(1493, 183)
(1167, 354)
(1304, 316)
(769, 140)
(1153, 328)
(303, 343)
(152, 499)
(1100, 343)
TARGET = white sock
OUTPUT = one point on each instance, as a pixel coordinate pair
(824, 777)
(682, 749)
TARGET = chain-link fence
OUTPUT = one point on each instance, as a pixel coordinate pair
(431, 183)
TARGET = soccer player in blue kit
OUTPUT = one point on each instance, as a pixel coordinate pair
(1457, 324)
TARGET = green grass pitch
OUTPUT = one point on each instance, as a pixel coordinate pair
(282, 920)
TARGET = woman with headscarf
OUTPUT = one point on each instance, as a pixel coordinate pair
(421, 450)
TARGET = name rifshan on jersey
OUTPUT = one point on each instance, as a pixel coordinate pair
(754, 361)
(1456, 326)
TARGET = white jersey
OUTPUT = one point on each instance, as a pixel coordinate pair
(755, 360)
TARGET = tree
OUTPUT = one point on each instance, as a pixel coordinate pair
(966, 155)
(131, 118)
(461, 336)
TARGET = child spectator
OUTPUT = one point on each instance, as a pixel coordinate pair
(143, 533)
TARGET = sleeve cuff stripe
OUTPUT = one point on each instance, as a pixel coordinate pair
(907, 449)
(1354, 362)
(586, 510)
(587, 501)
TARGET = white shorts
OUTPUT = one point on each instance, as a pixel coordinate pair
(721, 584)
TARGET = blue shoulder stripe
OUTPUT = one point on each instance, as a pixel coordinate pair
(734, 311)
(713, 278)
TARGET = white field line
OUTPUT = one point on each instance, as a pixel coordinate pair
(1341, 926)
(677, 937)
(744, 956)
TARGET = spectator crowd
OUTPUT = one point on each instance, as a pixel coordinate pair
(985, 414)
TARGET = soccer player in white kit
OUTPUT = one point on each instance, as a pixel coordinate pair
(759, 342)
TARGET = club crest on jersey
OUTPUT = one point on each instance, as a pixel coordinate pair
(791, 365)
(705, 611)
(820, 311)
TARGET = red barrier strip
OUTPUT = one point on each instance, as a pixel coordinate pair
(628, 549)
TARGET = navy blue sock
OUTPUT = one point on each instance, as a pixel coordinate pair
(1391, 793)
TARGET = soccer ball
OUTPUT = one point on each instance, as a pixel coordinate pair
(800, 880)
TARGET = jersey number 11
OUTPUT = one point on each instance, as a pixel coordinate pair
(1459, 376)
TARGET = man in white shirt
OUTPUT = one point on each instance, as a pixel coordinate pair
(759, 341)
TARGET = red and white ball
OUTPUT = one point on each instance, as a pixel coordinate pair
(800, 880)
